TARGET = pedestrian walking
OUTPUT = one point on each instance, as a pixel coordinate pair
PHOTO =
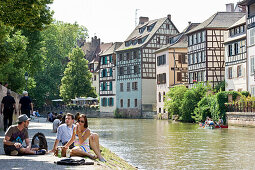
(25, 104)
(7, 108)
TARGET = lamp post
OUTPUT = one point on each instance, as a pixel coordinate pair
(26, 78)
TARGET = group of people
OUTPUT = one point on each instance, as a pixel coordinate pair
(78, 137)
(210, 122)
(8, 106)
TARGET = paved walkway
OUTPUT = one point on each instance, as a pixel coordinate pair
(38, 162)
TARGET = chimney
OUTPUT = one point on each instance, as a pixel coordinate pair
(189, 22)
(142, 20)
(169, 16)
(230, 7)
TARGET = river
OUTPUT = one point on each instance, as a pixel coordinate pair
(163, 144)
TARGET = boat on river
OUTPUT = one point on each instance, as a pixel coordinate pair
(213, 126)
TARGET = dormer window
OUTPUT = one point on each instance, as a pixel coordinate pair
(128, 43)
(141, 40)
(134, 42)
(150, 27)
(141, 30)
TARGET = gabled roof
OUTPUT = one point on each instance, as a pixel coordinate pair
(112, 49)
(239, 22)
(181, 39)
(136, 35)
(219, 20)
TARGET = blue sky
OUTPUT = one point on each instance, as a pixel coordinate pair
(114, 20)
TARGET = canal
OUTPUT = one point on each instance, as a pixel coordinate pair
(163, 144)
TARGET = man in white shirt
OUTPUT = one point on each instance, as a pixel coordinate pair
(64, 131)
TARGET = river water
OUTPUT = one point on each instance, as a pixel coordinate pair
(163, 144)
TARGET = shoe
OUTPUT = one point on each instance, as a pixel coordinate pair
(41, 152)
(14, 153)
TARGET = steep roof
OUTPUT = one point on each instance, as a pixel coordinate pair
(239, 22)
(135, 35)
(112, 49)
(181, 39)
(219, 20)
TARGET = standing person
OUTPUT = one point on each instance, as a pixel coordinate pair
(64, 131)
(83, 140)
(25, 104)
(7, 108)
(56, 123)
(14, 138)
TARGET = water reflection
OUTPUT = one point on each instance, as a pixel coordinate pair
(154, 144)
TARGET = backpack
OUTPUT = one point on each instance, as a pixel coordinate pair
(42, 141)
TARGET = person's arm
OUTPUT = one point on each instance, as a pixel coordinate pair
(32, 107)
(19, 109)
(7, 141)
(71, 140)
(55, 145)
(2, 108)
(14, 106)
(28, 143)
(83, 138)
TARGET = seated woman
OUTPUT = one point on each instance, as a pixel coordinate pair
(83, 140)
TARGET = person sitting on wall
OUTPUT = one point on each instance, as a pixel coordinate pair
(14, 137)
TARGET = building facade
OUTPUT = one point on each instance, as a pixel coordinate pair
(136, 66)
(107, 75)
(235, 57)
(206, 49)
(171, 67)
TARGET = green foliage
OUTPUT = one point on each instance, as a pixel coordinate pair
(245, 93)
(220, 86)
(203, 109)
(32, 14)
(174, 99)
(59, 39)
(77, 77)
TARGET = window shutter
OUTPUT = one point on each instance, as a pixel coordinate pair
(110, 86)
(158, 61)
(102, 60)
(102, 102)
(110, 71)
(112, 101)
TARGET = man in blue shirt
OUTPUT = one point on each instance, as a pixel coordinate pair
(64, 131)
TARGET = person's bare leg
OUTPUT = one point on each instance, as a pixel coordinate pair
(77, 151)
(25, 151)
(94, 144)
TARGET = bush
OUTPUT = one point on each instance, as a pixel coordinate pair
(117, 113)
(245, 93)
(203, 109)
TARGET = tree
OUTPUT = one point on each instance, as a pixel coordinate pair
(174, 99)
(77, 77)
(59, 39)
(30, 14)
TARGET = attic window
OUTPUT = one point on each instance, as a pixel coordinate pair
(150, 27)
(128, 43)
(141, 30)
(141, 40)
(134, 42)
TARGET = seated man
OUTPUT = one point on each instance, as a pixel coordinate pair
(56, 123)
(64, 131)
(14, 137)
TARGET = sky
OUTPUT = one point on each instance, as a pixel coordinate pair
(114, 20)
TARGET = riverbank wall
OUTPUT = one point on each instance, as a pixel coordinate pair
(241, 118)
(3, 92)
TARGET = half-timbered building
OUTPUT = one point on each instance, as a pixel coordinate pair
(136, 65)
(250, 38)
(107, 81)
(235, 56)
(206, 49)
(171, 67)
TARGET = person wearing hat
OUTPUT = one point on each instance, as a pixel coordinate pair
(25, 104)
(7, 108)
(14, 137)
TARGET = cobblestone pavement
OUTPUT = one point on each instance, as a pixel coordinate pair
(38, 162)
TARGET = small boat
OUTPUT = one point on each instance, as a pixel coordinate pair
(212, 126)
(221, 126)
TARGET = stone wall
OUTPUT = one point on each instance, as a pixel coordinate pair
(3, 91)
(240, 118)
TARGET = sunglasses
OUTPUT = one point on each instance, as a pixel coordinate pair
(81, 121)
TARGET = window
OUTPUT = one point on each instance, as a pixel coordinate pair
(159, 97)
(199, 57)
(168, 26)
(194, 38)
(236, 48)
(190, 40)
(135, 101)
(128, 103)
(203, 36)
(128, 70)
(136, 69)
(103, 101)
(150, 27)
(253, 90)
(230, 72)
(159, 110)
(193, 59)
(120, 57)
(164, 110)
(95, 77)
(199, 37)
(161, 60)
(239, 71)
(179, 76)
(134, 54)
(198, 76)
(203, 76)
(161, 78)
(121, 102)
(203, 56)
(164, 96)
(110, 101)
(128, 86)
(121, 73)
(181, 58)
(134, 86)
(252, 65)
(121, 87)
(141, 29)
(110, 86)
(127, 56)
(190, 78)
(190, 59)
(252, 36)
(158, 40)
